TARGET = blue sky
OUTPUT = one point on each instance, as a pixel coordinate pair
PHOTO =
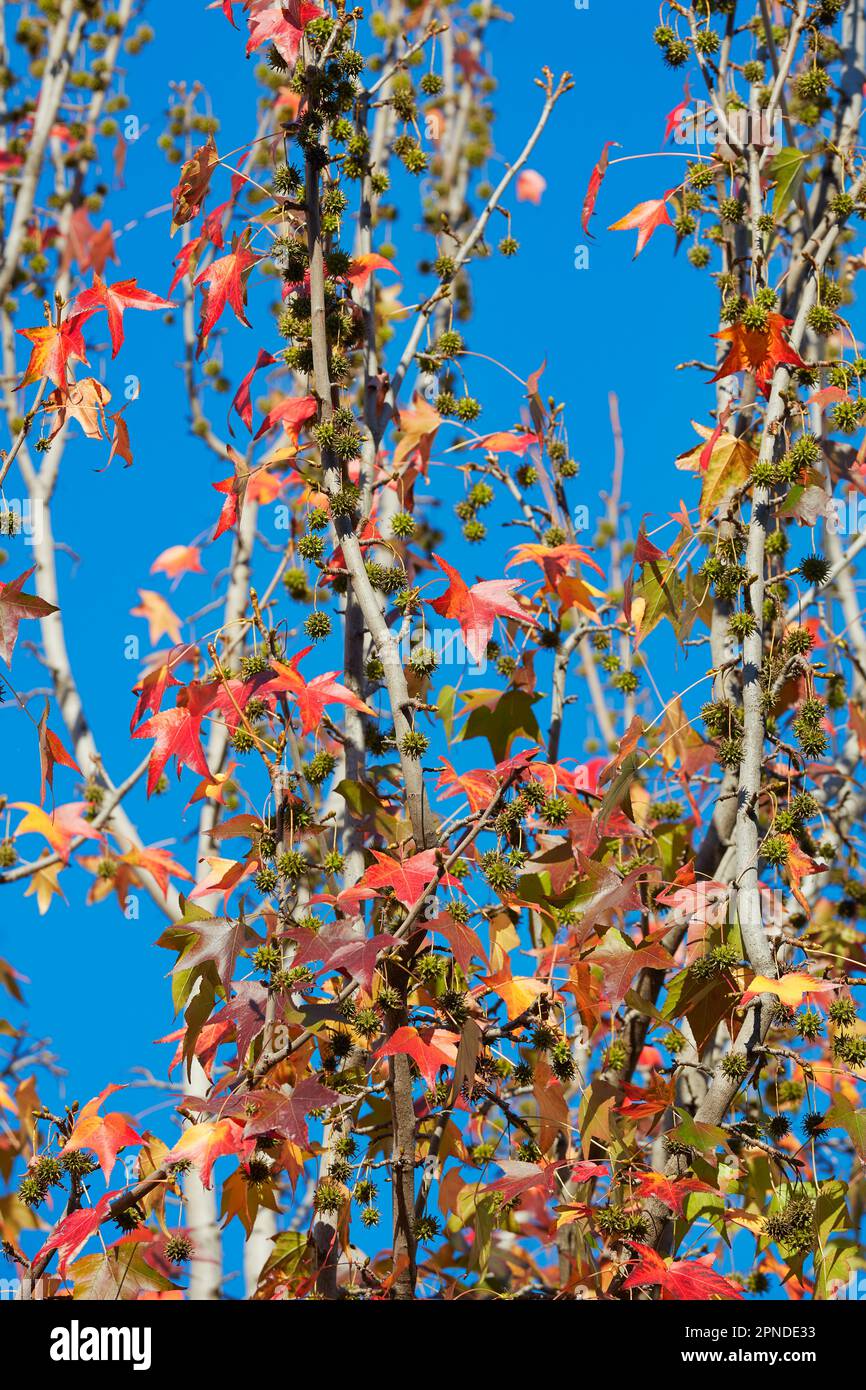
(97, 983)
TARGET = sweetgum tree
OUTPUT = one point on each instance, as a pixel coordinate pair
(520, 1018)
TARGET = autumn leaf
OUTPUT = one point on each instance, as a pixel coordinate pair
(193, 185)
(426, 1047)
(758, 350)
(596, 179)
(72, 1233)
(363, 266)
(553, 1178)
(242, 401)
(530, 186)
(463, 942)
(216, 939)
(202, 1144)
(313, 694)
(282, 1113)
(621, 961)
(477, 608)
(178, 733)
(291, 412)
(418, 426)
(104, 1134)
(161, 620)
(283, 26)
(117, 298)
(647, 218)
(51, 754)
(65, 824)
(504, 442)
(83, 401)
(725, 469)
(408, 877)
(44, 885)
(790, 990)
(176, 561)
(689, 1279)
(672, 1192)
(226, 279)
(341, 946)
(54, 347)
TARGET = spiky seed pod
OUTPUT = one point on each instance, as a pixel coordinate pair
(78, 1164)
(699, 257)
(267, 957)
(812, 85)
(311, 547)
(292, 864)
(797, 642)
(843, 1013)
(178, 1249)
(319, 768)
(474, 531)
(676, 53)
(130, 1219)
(403, 525)
(705, 967)
(414, 744)
(318, 626)
(813, 1124)
(777, 543)
(821, 320)
(809, 1024)
(725, 957)
(742, 625)
(730, 752)
(555, 811)
(850, 1049)
(735, 1065)
(776, 850)
(815, 569)
(266, 880)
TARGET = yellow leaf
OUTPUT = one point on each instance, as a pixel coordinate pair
(44, 884)
(729, 466)
(791, 989)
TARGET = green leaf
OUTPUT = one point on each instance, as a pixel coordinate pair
(787, 169)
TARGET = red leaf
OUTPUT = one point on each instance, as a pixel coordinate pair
(104, 1134)
(409, 878)
(758, 350)
(672, 1193)
(218, 939)
(285, 1115)
(282, 25)
(242, 401)
(178, 733)
(51, 752)
(14, 607)
(72, 1233)
(117, 298)
(463, 941)
(420, 1046)
(646, 218)
(193, 185)
(203, 1144)
(311, 695)
(690, 1279)
(226, 279)
(292, 412)
(476, 608)
(595, 181)
(54, 347)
